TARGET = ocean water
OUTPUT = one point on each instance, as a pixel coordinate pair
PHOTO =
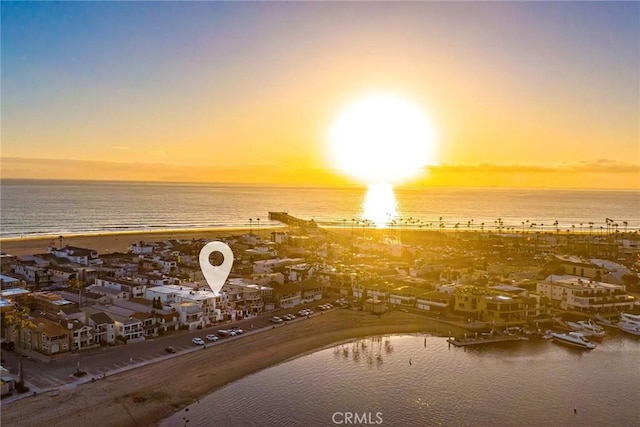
(418, 380)
(38, 208)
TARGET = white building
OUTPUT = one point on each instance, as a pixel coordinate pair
(214, 307)
(574, 293)
(133, 289)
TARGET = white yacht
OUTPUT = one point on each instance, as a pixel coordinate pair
(627, 317)
(575, 339)
(588, 328)
(629, 323)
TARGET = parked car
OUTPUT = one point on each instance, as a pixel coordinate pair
(212, 337)
(226, 333)
(197, 341)
(170, 349)
(237, 330)
(276, 319)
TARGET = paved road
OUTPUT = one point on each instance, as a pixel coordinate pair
(44, 375)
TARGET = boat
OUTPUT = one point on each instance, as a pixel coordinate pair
(627, 317)
(629, 328)
(588, 328)
(629, 323)
(548, 335)
(575, 339)
(604, 321)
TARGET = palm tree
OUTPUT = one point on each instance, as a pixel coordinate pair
(625, 223)
(250, 225)
(17, 322)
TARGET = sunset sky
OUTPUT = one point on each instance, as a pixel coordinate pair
(541, 94)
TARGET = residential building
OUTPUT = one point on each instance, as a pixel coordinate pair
(74, 254)
(572, 293)
(129, 330)
(104, 328)
(132, 288)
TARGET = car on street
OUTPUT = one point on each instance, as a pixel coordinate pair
(226, 333)
(237, 330)
(212, 337)
(276, 319)
(170, 349)
(197, 341)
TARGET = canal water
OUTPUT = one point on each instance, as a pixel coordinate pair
(418, 380)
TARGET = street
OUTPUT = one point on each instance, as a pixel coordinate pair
(39, 375)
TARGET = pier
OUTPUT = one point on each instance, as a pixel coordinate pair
(285, 218)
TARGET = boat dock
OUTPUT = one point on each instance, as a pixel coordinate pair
(285, 218)
(464, 342)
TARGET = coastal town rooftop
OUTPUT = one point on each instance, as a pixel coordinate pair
(581, 283)
(14, 292)
(184, 291)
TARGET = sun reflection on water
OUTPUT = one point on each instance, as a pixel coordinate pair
(380, 205)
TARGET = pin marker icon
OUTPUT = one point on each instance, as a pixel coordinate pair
(216, 275)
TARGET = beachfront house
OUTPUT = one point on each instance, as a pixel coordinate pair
(214, 306)
(82, 336)
(433, 301)
(490, 305)
(128, 330)
(149, 324)
(104, 328)
(74, 254)
(288, 295)
(140, 248)
(49, 338)
(190, 313)
(312, 290)
(404, 295)
(572, 293)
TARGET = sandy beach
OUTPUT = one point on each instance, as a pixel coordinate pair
(145, 396)
(116, 242)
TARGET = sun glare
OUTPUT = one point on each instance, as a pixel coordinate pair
(380, 205)
(381, 139)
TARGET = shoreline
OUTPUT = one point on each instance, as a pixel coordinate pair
(149, 394)
(110, 242)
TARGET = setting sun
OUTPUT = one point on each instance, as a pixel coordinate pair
(381, 138)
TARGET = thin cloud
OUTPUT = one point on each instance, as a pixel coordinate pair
(592, 166)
